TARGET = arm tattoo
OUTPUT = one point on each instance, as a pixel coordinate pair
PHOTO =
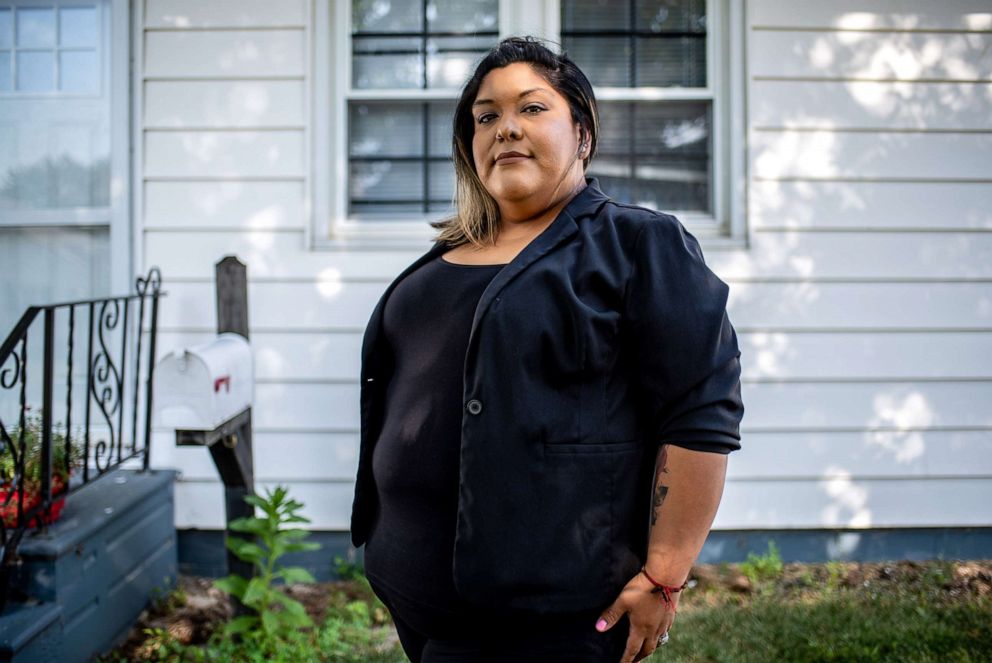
(661, 491)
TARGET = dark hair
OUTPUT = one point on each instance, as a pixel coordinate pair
(477, 214)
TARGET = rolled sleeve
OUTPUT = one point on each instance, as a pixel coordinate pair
(684, 350)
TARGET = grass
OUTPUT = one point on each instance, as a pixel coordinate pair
(837, 625)
(835, 611)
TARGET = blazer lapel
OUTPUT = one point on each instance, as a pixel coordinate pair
(561, 229)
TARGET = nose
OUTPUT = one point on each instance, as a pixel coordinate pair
(507, 129)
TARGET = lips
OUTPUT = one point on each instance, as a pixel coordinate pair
(509, 155)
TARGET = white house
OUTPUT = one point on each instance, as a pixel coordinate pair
(833, 158)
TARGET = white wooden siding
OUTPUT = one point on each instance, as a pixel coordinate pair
(224, 13)
(827, 154)
(225, 154)
(870, 205)
(876, 55)
(224, 104)
(871, 105)
(865, 295)
(863, 303)
(224, 54)
(196, 206)
(851, 15)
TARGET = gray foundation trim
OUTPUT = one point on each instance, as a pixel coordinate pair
(852, 545)
(201, 552)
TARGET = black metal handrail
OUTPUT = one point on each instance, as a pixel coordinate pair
(36, 474)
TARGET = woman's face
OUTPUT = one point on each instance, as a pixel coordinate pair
(516, 110)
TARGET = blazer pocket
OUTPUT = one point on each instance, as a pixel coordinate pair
(571, 448)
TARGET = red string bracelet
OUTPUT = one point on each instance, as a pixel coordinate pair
(664, 589)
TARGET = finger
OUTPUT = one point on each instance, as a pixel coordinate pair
(647, 648)
(659, 631)
(635, 643)
(664, 626)
(657, 637)
(644, 652)
(610, 616)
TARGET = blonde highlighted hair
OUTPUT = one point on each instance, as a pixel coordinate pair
(476, 217)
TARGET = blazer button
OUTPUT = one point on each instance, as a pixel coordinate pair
(474, 406)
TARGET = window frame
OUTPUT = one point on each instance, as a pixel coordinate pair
(331, 49)
(115, 70)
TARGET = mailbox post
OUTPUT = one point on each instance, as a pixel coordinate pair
(205, 393)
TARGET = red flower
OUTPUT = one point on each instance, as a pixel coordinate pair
(32, 497)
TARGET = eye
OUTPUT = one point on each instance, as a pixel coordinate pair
(485, 117)
(533, 107)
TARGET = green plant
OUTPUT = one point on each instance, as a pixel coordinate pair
(347, 570)
(161, 645)
(61, 469)
(278, 615)
(167, 596)
(937, 572)
(836, 571)
(347, 630)
(759, 568)
(806, 577)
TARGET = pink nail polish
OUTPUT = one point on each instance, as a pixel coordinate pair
(601, 625)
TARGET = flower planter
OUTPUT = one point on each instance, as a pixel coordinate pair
(32, 497)
(64, 460)
(113, 548)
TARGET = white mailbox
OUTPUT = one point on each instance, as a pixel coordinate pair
(201, 386)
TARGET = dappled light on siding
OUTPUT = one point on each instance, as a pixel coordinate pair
(329, 283)
(849, 500)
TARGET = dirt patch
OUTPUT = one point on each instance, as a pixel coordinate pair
(196, 609)
(947, 581)
(190, 615)
(953, 579)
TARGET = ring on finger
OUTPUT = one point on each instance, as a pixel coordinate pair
(663, 639)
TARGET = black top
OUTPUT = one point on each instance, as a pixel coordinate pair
(427, 320)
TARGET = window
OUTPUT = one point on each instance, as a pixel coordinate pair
(408, 61)
(660, 69)
(62, 79)
(653, 152)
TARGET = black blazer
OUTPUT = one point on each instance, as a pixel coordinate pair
(605, 337)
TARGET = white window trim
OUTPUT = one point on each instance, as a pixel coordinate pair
(122, 216)
(115, 68)
(331, 67)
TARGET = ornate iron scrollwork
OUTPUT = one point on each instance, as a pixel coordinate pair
(106, 385)
(153, 280)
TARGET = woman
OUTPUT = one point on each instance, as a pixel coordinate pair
(527, 382)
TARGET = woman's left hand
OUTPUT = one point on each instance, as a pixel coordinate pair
(649, 617)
